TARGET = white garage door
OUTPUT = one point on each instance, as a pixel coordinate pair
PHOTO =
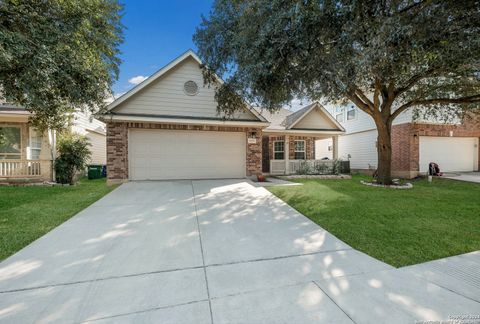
(450, 153)
(168, 154)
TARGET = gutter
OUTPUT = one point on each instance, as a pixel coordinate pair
(182, 120)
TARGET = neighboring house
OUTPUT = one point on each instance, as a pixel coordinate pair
(95, 131)
(415, 143)
(168, 127)
(27, 155)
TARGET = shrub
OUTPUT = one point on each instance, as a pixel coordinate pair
(304, 168)
(336, 169)
(74, 153)
(321, 168)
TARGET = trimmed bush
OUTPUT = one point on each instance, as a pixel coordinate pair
(74, 153)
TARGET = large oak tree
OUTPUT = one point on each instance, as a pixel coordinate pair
(58, 55)
(384, 56)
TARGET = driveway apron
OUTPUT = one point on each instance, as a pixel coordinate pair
(208, 251)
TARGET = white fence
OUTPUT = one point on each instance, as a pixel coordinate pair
(23, 168)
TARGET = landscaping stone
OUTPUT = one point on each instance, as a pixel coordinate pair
(407, 185)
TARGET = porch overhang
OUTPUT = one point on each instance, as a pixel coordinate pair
(14, 115)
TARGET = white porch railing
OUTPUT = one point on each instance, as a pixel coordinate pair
(24, 168)
(278, 167)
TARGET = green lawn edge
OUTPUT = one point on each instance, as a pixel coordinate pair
(398, 226)
(29, 212)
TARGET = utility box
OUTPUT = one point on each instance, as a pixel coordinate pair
(95, 171)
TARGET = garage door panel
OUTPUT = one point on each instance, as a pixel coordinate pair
(167, 154)
(450, 153)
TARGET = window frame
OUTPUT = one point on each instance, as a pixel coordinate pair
(282, 151)
(16, 156)
(355, 113)
(31, 132)
(304, 151)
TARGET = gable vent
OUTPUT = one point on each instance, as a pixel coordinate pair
(190, 88)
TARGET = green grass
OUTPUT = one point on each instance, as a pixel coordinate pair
(26, 213)
(400, 227)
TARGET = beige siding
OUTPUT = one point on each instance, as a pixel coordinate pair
(94, 130)
(83, 122)
(315, 119)
(364, 122)
(98, 148)
(321, 149)
(166, 96)
(361, 147)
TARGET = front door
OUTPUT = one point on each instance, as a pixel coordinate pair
(265, 155)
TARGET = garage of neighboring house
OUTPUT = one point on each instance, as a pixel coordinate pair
(168, 127)
(452, 154)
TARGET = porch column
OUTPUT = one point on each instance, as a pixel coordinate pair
(286, 154)
(335, 147)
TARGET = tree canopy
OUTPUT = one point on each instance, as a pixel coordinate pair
(58, 55)
(384, 56)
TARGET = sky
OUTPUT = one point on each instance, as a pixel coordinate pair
(156, 33)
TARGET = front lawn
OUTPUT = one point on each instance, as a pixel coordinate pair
(399, 227)
(27, 213)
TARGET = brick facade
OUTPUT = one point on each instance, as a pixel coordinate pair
(309, 145)
(117, 152)
(406, 143)
(117, 145)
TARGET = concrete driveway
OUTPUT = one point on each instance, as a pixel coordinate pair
(219, 251)
(464, 176)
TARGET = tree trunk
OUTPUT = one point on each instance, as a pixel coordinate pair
(384, 150)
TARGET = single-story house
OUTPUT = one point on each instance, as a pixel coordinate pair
(415, 143)
(168, 127)
(27, 155)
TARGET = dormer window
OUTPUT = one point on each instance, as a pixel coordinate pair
(351, 113)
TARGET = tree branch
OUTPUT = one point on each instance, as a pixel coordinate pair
(418, 6)
(363, 97)
(426, 102)
(413, 81)
(376, 93)
(360, 104)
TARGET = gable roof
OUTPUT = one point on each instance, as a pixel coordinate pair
(276, 119)
(285, 120)
(188, 54)
(300, 114)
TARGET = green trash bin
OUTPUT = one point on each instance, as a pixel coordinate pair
(94, 171)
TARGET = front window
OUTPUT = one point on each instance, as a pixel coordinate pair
(10, 143)
(35, 144)
(300, 150)
(278, 150)
(351, 113)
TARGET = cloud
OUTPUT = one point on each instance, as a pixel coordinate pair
(119, 94)
(114, 97)
(137, 79)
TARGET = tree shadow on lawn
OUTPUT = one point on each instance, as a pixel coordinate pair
(399, 227)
